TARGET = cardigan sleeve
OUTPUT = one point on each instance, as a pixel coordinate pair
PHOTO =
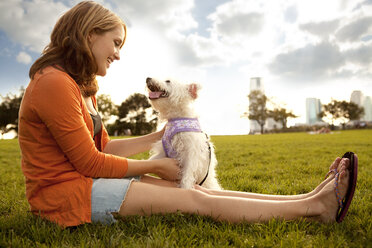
(58, 103)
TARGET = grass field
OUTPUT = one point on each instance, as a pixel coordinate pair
(276, 164)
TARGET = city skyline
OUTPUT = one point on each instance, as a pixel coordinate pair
(301, 49)
(313, 108)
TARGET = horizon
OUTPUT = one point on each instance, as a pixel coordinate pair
(300, 50)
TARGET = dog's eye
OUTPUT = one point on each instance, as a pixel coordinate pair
(168, 81)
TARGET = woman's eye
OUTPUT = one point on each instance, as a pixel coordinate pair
(117, 43)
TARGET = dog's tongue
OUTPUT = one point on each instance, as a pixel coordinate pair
(155, 94)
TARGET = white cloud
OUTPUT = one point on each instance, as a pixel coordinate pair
(30, 23)
(24, 58)
(240, 24)
(166, 16)
(237, 21)
(362, 4)
(361, 55)
(355, 30)
(322, 29)
(319, 10)
(311, 62)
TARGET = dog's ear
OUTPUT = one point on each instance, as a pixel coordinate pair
(193, 90)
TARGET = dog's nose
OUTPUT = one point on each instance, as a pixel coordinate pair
(148, 80)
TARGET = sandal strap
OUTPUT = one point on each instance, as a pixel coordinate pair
(329, 172)
(339, 199)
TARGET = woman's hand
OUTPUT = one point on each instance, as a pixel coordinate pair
(167, 168)
(162, 131)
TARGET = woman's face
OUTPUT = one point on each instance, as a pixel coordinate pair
(106, 48)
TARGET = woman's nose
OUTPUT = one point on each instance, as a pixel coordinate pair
(117, 54)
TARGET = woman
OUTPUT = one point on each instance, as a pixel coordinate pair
(75, 174)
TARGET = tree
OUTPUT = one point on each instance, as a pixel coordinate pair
(133, 113)
(106, 107)
(9, 109)
(281, 115)
(257, 108)
(341, 110)
(352, 110)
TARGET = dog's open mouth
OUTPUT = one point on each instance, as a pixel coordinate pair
(156, 92)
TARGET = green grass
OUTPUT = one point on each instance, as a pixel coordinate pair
(276, 164)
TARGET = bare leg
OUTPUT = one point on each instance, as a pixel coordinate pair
(147, 199)
(335, 165)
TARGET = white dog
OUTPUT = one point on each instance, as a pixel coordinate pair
(183, 138)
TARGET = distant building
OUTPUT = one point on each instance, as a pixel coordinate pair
(313, 109)
(367, 104)
(256, 84)
(357, 97)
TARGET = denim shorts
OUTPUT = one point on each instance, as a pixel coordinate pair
(107, 196)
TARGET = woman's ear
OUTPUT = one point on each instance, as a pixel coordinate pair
(193, 90)
(91, 37)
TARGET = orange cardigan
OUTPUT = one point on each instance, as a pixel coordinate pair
(59, 155)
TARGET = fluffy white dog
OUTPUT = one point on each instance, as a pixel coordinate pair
(183, 138)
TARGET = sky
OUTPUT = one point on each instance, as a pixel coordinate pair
(300, 49)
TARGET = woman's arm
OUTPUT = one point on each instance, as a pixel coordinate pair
(166, 168)
(132, 146)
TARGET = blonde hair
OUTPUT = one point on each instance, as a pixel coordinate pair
(69, 48)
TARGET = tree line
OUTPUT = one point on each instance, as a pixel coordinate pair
(135, 116)
(341, 111)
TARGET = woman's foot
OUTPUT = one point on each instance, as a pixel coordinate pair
(334, 166)
(328, 199)
(329, 177)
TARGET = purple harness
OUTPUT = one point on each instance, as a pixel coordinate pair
(175, 126)
(178, 125)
